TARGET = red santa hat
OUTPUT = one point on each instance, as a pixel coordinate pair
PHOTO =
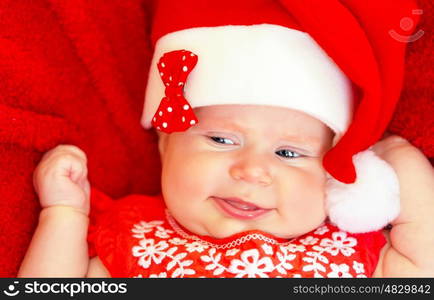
(333, 60)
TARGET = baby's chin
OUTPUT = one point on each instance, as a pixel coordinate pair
(228, 228)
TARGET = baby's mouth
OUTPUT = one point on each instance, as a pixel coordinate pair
(239, 208)
(241, 204)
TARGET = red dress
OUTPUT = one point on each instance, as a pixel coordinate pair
(137, 237)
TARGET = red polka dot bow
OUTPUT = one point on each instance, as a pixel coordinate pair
(175, 113)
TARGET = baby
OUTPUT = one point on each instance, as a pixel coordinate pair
(245, 184)
(242, 176)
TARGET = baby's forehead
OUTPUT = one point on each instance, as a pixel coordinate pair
(278, 122)
(254, 114)
(230, 111)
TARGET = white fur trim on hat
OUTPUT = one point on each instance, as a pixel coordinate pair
(257, 64)
(368, 204)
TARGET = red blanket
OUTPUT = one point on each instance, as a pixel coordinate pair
(75, 72)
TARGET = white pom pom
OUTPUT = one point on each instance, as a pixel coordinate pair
(369, 203)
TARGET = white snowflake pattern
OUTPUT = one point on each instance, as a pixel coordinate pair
(143, 227)
(267, 249)
(284, 258)
(316, 259)
(358, 267)
(339, 271)
(295, 248)
(214, 260)
(309, 240)
(147, 252)
(321, 230)
(340, 243)
(177, 241)
(250, 265)
(182, 269)
(195, 246)
(163, 233)
(232, 252)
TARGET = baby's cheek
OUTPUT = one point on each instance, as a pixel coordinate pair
(304, 194)
(314, 198)
(193, 174)
(187, 185)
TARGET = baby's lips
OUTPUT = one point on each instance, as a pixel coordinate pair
(239, 209)
(242, 203)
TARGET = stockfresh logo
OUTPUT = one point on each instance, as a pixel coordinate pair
(66, 288)
(406, 24)
(12, 290)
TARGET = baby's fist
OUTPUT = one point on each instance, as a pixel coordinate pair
(61, 179)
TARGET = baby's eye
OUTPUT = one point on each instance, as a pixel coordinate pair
(221, 140)
(285, 153)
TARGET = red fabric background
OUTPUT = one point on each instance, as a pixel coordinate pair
(75, 72)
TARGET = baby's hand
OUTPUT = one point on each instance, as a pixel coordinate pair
(416, 178)
(60, 179)
(411, 240)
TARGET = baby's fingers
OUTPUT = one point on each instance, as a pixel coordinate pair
(65, 150)
(63, 161)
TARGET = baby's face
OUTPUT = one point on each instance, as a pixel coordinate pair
(267, 159)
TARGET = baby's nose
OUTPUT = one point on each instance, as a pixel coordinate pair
(253, 170)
